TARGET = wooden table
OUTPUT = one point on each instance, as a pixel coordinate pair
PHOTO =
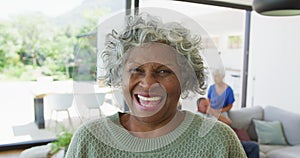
(43, 89)
(39, 111)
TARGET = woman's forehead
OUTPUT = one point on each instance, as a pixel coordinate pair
(154, 53)
(153, 65)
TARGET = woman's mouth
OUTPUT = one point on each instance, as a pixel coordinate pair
(147, 102)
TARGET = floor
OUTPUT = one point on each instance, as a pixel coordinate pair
(10, 154)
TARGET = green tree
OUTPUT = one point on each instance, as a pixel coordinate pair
(91, 17)
(86, 54)
(31, 45)
(34, 46)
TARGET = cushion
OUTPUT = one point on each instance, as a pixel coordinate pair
(242, 119)
(42, 151)
(285, 152)
(242, 134)
(269, 132)
(251, 131)
(290, 122)
(268, 148)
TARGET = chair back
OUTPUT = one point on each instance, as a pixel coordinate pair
(90, 100)
(118, 99)
(58, 101)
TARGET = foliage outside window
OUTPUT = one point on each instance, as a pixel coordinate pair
(210, 42)
(235, 42)
(33, 46)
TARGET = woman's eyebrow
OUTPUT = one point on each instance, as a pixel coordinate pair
(132, 62)
(166, 65)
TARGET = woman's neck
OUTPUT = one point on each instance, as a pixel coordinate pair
(220, 87)
(221, 84)
(141, 129)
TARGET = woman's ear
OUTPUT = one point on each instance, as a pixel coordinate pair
(179, 105)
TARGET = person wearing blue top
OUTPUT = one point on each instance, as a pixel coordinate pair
(220, 94)
(221, 99)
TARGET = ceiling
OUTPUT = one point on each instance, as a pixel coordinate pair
(244, 2)
(238, 4)
(216, 20)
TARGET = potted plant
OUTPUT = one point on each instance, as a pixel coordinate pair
(62, 142)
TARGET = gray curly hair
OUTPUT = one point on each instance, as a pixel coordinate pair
(144, 28)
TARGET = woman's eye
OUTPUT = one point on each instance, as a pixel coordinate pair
(164, 72)
(135, 70)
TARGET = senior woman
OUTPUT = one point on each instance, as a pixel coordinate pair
(155, 64)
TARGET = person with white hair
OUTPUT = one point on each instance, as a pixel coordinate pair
(155, 64)
(220, 94)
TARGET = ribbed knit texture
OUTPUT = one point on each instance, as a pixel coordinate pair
(106, 138)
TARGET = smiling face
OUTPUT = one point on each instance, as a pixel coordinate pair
(150, 82)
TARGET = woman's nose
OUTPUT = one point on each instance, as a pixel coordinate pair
(147, 80)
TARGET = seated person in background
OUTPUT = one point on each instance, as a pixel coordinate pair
(203, 106)
(220, 94)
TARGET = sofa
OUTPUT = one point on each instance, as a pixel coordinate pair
(278, 135)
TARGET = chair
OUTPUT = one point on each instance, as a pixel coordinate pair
(92, 101)
(119, 100)
(59, 103)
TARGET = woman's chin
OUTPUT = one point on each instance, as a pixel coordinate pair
(147, 109)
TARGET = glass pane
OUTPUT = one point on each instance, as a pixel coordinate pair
(39, 41)
(226, 29)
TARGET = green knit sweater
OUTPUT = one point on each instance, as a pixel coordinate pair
(194, 137)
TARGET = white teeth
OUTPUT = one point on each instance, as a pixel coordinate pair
(149, 98)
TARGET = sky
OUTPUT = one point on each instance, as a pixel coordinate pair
(54, 8)
(51, 8)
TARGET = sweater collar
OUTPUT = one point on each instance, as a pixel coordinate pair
(124, 140)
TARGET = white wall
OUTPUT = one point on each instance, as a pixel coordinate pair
(274, 62)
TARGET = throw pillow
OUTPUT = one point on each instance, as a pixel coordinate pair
(269, 132)
(251, 130)
(290, 122)
(242, 134)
